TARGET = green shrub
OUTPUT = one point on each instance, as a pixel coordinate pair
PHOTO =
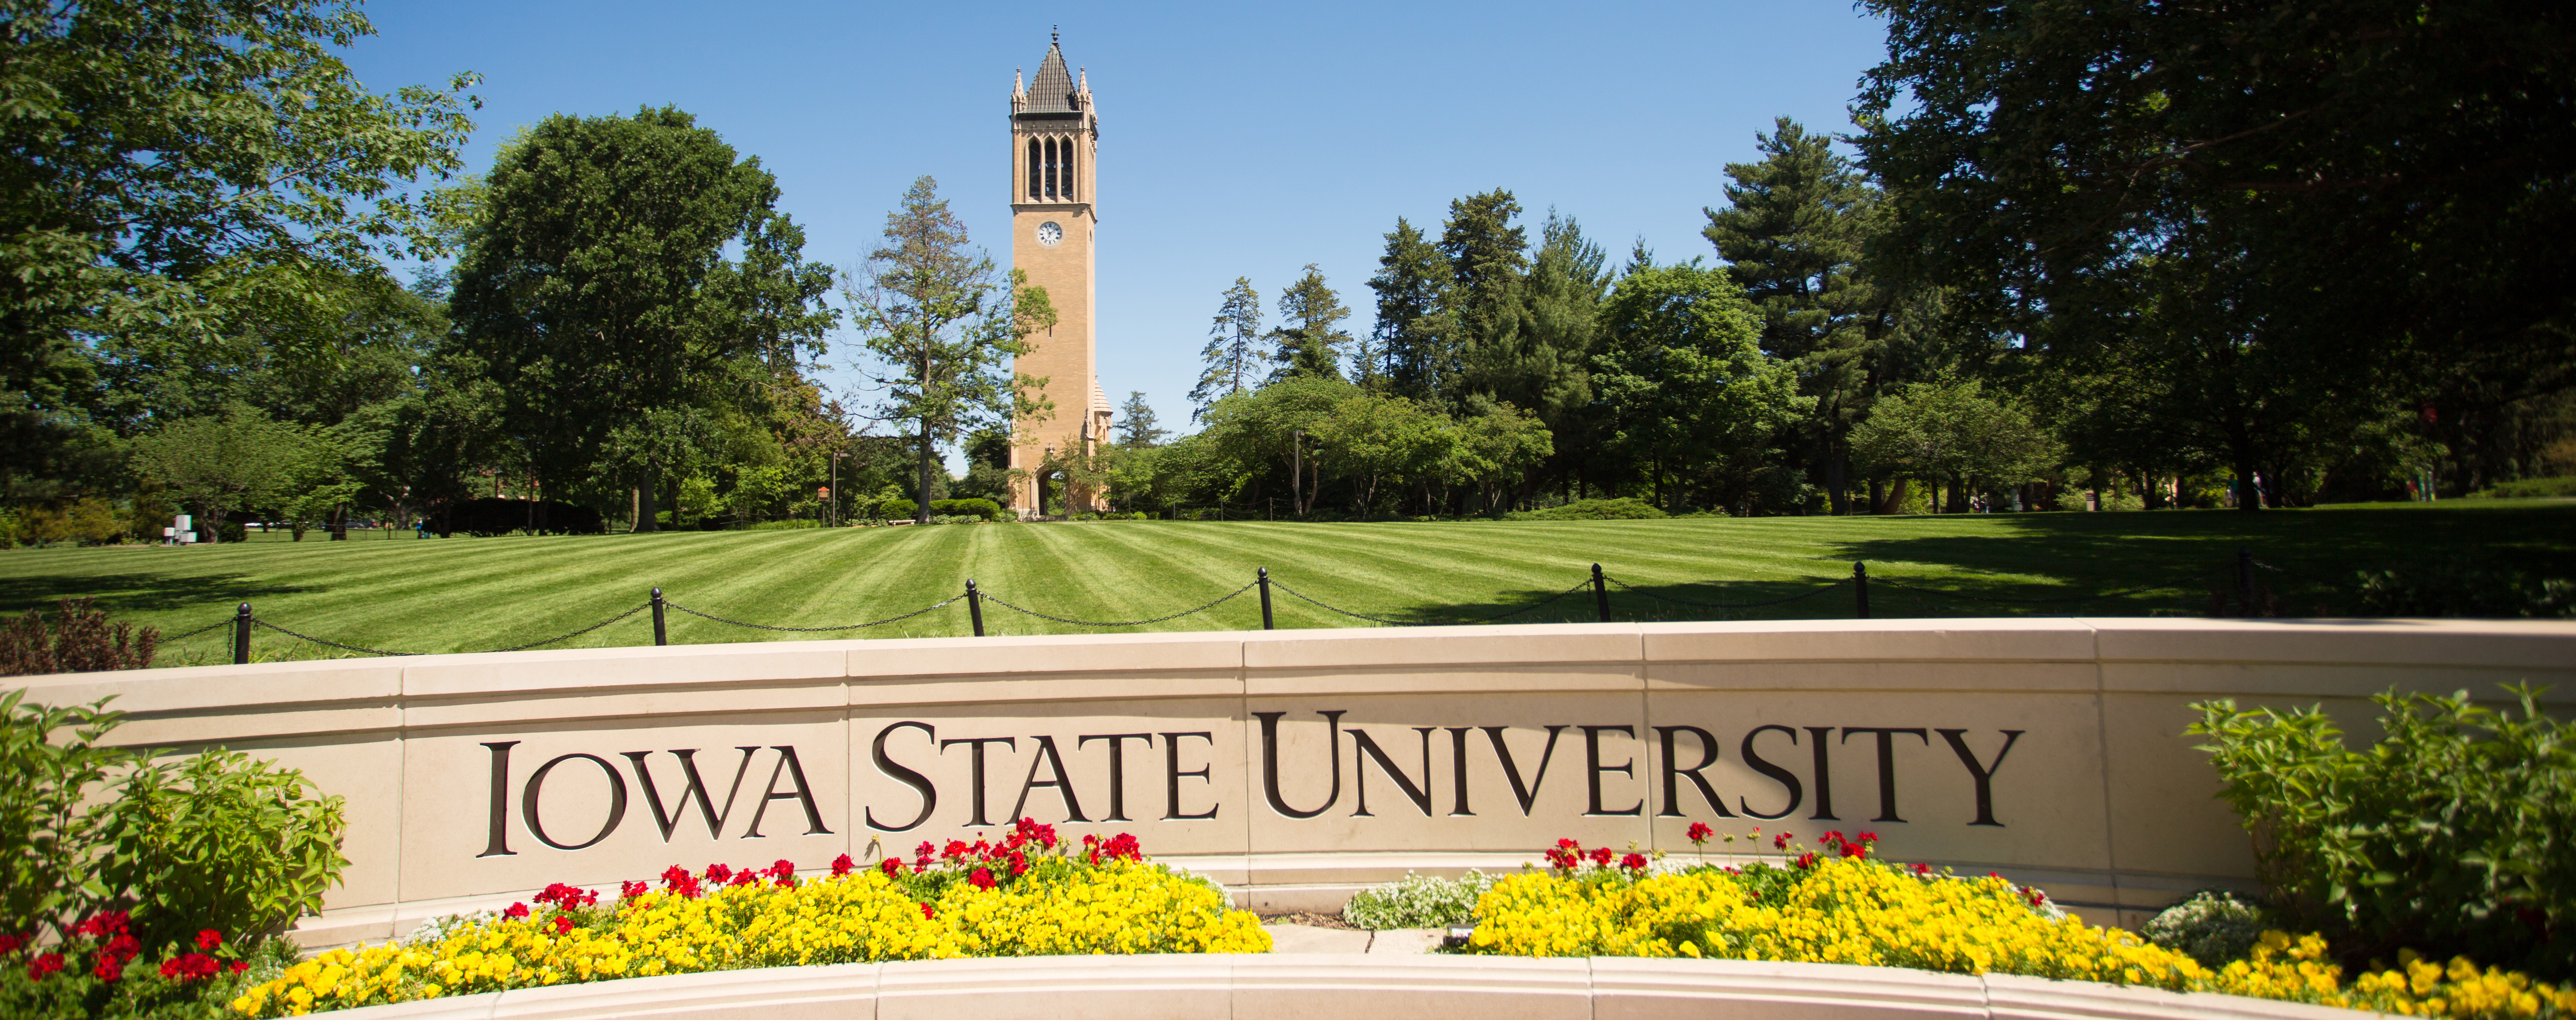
(1418, 901)
(1625, 508)
(2529, 488)
(983, 509)
(217, 840)
(2214, 927)
(2450, 837)
(896, 510)
(2463, 586)
(791, 524)
(223, 841)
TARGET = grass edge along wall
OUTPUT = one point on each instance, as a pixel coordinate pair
(1296, 767)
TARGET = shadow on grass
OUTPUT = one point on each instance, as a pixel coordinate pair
(140, 591)
(2186, 560)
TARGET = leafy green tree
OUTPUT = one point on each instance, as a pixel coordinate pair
(1369, 439)
(595, 292)
(1136, 428)
(1685, 381)
(2265, 185)
(1951, 431)
(1265, 430)
(1409, 346)
(155, 148)
(220, 463)
(1494, 450)
(943, 324)
(1309, 339)
(1230, 359)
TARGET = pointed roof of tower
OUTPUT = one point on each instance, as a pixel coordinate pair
(1052, 90)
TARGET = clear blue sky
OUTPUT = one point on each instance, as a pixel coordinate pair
(1236, 139)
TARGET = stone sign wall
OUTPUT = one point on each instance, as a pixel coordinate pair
(1297, 766)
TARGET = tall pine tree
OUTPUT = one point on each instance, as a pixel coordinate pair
(1792, 236)
(1230, 356)
(1487, 256)
(1309, 339)
(1408, 345)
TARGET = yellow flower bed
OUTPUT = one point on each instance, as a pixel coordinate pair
(1118, 907)
(1857, 911)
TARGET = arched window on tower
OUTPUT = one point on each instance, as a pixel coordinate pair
(1050, 168)
(1069, 176)
(1034, 158)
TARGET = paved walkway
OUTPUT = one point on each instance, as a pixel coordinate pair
(1303, 938)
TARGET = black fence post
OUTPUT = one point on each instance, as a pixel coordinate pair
(1265, 600)
(241, 635)
(2244, 581)
(975, 607)
(1600, 593)
(1860, 588)
(661, 633)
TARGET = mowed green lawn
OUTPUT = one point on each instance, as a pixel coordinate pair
(469, 594)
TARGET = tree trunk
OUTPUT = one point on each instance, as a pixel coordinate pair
(340, 522)
(1877, 496)
(1837, 480)
(647, 491)
(921, 505)
(671, 497)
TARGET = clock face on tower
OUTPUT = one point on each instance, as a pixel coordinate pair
(1049, 233)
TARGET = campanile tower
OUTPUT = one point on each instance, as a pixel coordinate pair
(1055, 134)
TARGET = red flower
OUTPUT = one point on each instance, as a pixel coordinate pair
(1633, 862)
(43, 965)
(1806, 861)
(843, 865)
(11, 943)
(1601, 855)
(678, 880)
(563, 924)
(719, 874)
(190, 967)
(1700, 832)
(112, 958)
(630, 890)
(1832, 838)
(1568, 844)
(240, 966)
(982, 878)
(1868, 837)
(955, 849)
(1027, 830)
(928, 914)
(1922, 869)
(1780, 842)
(567, 897)
(891, 867)
(208, 939)
(922, 856)
(102, 925)
(782, 868)
(1855, 850)
(746, 876)
(517, 910)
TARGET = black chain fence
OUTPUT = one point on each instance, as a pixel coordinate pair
(2250, 598)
